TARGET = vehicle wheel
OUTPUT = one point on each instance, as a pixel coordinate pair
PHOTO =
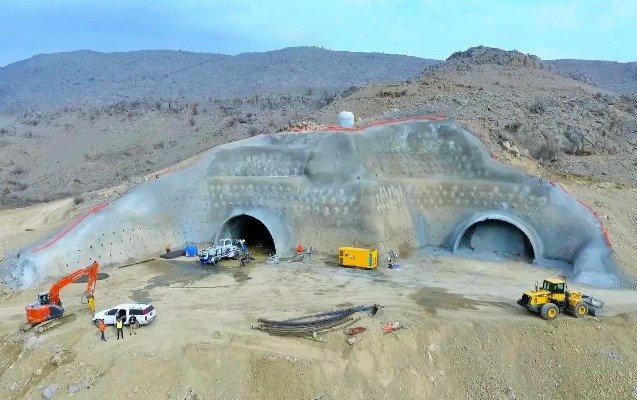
(549, 311)
(235, 256)
(580, 310)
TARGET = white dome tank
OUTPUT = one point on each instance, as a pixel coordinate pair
(345, 119)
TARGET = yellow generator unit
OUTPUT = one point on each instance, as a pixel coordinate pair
(359, 258)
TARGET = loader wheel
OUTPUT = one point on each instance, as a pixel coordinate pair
(235, 256)
(549, 311)
(580, 310)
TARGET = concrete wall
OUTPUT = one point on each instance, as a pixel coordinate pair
(402, 185)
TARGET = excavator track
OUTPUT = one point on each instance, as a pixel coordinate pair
(50, 324)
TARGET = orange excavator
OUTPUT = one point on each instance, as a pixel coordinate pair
(48, 312)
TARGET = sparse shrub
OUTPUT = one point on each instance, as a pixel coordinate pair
(20, 186)
(549, 150)
(19, 170)
(328, 98)
(513, 127)
(225, 110)
(309, 91)
(6, 191)
(349, 91)
(33, 121)
(232, 122)
(78, 200)
(538, 106)
(392, 94)
(158, 146)
(3, 131)
(243, 120)
(252, 131)
(191, 121)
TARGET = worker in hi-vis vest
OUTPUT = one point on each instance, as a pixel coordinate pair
(119, 324)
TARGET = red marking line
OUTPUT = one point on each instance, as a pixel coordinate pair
(337, 128)
(68, 228)
(601, 223)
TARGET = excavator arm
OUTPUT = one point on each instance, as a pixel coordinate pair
(48, 312)
(91, 271)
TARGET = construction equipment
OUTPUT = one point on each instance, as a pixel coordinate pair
(225, 249)
(48, 312)
(392, 260)
(359, 258)
(554, 298)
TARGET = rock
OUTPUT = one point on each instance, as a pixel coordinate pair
(634, 392)
(50, 391)
(351, 340)
(510, 393)
(506, 145)
(514, 150)
(38, 372)
(79, 386)
(191, 395)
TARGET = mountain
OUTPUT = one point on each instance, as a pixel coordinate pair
(92, 78)
(615, 76)
(509, 99)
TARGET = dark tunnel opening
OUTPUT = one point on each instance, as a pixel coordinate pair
(257, 236)
(499, 238)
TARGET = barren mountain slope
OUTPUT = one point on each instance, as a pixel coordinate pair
(54, 154)
(88, 77)
(507, 99)
(571, 127)
(615, 76)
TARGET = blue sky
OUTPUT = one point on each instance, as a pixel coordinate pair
(593, 29)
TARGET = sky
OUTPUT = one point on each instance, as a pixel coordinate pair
(550, 29)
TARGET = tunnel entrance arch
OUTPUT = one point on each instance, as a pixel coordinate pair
(499, 235)
(256, 234)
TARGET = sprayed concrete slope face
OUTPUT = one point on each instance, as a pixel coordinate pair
(404, 185)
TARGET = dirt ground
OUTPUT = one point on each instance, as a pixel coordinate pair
(463, 337)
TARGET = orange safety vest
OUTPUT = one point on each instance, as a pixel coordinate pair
(102, 326)
(299, 248)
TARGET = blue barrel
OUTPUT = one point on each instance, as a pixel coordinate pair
(191, 250)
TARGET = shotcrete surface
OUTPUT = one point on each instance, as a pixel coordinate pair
(407, 185)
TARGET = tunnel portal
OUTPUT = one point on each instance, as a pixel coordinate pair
(498, 237)
(257, 236)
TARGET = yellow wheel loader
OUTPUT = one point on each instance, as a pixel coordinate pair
(554, 298)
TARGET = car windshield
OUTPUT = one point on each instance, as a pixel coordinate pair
(148, 309)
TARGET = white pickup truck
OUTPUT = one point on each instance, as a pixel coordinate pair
(224, 249)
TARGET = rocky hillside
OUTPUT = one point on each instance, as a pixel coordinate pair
(92, 78)
(520, 108)
(523, 109)
(614, 76)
